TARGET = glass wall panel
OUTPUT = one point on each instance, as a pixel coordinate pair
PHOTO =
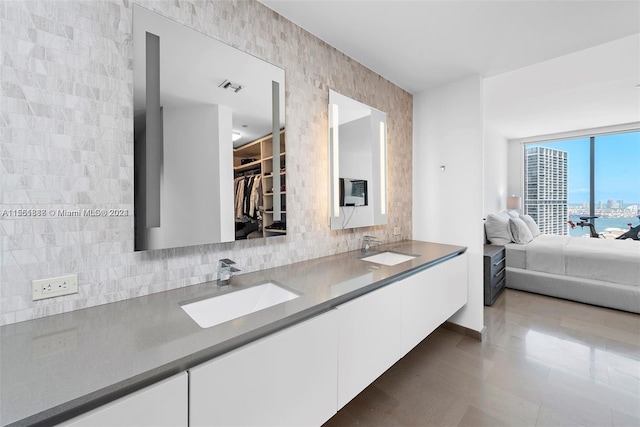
(617, 182)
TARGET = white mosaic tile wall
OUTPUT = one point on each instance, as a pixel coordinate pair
(67, 143)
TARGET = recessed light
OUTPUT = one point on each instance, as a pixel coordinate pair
(226, 84)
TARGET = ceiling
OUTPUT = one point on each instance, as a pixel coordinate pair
(522, 49)
(421, 44)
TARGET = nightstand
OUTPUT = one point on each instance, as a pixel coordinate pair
(495, 265)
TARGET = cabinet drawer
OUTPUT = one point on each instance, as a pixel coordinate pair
(498, 276)
(495, 266)
(496, 288)
(498, 264)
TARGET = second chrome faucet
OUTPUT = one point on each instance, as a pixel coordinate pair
(367, 242)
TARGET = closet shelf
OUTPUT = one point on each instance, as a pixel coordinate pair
(271, 157)
(247, 166)
(269, 230)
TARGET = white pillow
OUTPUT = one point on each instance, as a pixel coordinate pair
(531, 224)
(519, 230)
(512, 213)
(497, 229)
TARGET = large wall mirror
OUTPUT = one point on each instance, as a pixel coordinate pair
(358, 163)
(208, 137)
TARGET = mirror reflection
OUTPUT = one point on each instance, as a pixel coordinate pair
(357, 147)
(208, 139)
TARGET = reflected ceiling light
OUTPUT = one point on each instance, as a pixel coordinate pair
(235, 135)
(383, 170)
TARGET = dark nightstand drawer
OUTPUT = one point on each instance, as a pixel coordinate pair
(498, 266)
(495, 265)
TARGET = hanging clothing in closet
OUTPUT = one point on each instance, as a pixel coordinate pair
(255, 198)
(248, 197)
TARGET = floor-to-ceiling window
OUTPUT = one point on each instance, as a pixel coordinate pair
(588, 176)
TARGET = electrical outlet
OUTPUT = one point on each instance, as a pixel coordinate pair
(396, 231)
(54, 287)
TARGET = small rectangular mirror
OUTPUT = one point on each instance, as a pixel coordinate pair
(197, 104)
(358, 167)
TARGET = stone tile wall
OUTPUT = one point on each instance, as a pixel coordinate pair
(66, 143)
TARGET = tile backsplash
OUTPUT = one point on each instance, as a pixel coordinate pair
(66, 144)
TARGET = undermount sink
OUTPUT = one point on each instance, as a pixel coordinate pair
(219, 309)
(389, 258)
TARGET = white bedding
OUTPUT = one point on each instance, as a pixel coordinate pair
(614, 261)
(516, 255)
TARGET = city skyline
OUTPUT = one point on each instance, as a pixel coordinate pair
(617, 168)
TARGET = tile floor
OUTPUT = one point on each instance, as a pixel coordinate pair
(545, 362)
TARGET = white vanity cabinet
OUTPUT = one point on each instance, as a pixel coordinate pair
(430, 297)
(158, 405)
(303, 374)
(454, 273)
(285, 379)
(421, 313)
(368, 339)
(377, 329)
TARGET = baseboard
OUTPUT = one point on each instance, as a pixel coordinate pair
(479, 335)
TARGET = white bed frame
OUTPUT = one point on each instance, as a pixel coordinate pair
(596, 292)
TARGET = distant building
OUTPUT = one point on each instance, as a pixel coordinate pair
(620, 204)
(545, 189)
(610, 204)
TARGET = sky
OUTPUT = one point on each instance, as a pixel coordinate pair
(617, 171)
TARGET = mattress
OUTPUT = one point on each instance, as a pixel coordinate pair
(516, 255)
(613, 261)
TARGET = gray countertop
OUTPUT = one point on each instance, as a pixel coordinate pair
(57, 366)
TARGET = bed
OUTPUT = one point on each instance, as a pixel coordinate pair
(595, 271)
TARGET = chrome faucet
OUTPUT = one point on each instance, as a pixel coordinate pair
(367, 242)
(226, 271)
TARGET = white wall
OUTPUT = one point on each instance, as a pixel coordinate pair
(495, 172)
(197, 167)
(447, 206)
